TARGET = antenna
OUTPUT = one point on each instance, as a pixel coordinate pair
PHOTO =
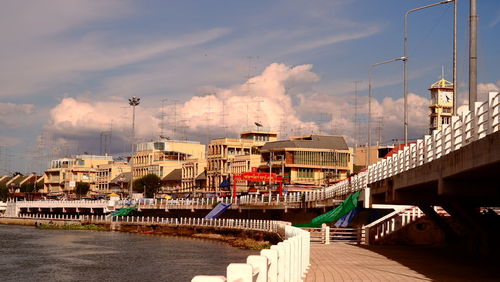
(224, 114)
(249, 74)
(209, 117)
(162, 116)
(356, 124)
(258, 112)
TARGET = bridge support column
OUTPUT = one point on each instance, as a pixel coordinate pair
(450, 233)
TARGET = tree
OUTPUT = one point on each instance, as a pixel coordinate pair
(150, 183)
(4, 192)
(28, 187)
(82, 188)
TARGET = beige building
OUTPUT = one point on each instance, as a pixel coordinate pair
(308, 160)
(194, 175)
(377, 153)
(163, 156)
(223, 153)
(64, 173)
(106, 173)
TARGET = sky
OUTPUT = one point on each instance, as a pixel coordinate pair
(209, 69)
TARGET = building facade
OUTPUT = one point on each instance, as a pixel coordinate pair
(64, 173)
(106, 173)
(314, 160)
(223, 153)
(163, 156)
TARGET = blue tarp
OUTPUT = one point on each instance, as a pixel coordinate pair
(346, 219)
(224, 184)
(217, 211)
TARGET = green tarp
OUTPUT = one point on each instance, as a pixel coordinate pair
(344, 208)
(123, 211)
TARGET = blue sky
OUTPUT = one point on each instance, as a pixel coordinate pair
(69, 66)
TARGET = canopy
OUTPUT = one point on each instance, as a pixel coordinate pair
(344, 208)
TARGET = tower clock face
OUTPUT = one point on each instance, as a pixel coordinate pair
(446, 97)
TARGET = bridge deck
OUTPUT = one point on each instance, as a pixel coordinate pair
(345, 262)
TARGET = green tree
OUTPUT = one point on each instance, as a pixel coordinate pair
(82, 188)
(28, 187)
(4, 192)
(150, 183)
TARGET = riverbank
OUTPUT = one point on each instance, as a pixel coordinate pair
(239, 238)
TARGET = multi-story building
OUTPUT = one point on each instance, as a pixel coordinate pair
(163, 156)
(224, 152)
(308, 160)
(194, 175)
(106, 173)
(64, 173)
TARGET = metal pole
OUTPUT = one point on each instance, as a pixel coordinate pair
(270, 169)
(455, 57)
(405, 79)
(472, 54)
(405, 70)
(130, 189)
(370, 101)
(369, 116)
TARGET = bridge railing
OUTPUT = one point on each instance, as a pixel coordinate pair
(462, 130)
(286, 261)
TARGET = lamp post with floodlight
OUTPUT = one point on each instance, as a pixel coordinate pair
(134, 101)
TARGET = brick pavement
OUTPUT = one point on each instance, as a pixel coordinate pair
(345, 262)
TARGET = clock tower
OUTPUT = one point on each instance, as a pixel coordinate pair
(441, 104)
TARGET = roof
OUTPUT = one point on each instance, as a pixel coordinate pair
(442, 83)
(174, 175)
(121, 178)
(202, 176)
(311, 142)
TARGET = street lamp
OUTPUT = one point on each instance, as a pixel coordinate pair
(134, 101)
(405, 55)
(370, 101)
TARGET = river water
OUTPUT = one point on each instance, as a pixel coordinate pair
(30, 254)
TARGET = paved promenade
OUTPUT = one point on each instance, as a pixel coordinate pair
(345, 262)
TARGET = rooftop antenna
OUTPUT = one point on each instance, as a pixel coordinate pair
(209, 117)
(224, 114)
(250, 71)
(162, 116)
(356, 122)
(258, 112)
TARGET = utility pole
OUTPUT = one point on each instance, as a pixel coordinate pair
(472, 54)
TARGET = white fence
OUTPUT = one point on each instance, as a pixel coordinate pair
(393, 222)
(246, 224)
(286, 261)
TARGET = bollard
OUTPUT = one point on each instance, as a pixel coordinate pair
(259, 265)
(272, 259)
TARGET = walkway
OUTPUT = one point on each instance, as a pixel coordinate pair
(345, 262)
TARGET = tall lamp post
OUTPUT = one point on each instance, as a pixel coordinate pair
(370, 102)
(405, 62)
(134, 101)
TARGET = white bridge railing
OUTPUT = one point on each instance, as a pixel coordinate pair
(464, 129)
(286, 261)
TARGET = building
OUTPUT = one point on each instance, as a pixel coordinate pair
(308, 160)
(194, 176)
(441, 108)
(107, 173)
(223, 153)
(163, 156)
(64, 173)
(377, 153)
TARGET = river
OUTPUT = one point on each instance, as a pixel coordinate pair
(30, 254)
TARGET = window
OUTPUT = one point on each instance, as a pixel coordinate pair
(305, 173)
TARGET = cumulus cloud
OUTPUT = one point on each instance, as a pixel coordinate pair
(225, 109)
(264, 98)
